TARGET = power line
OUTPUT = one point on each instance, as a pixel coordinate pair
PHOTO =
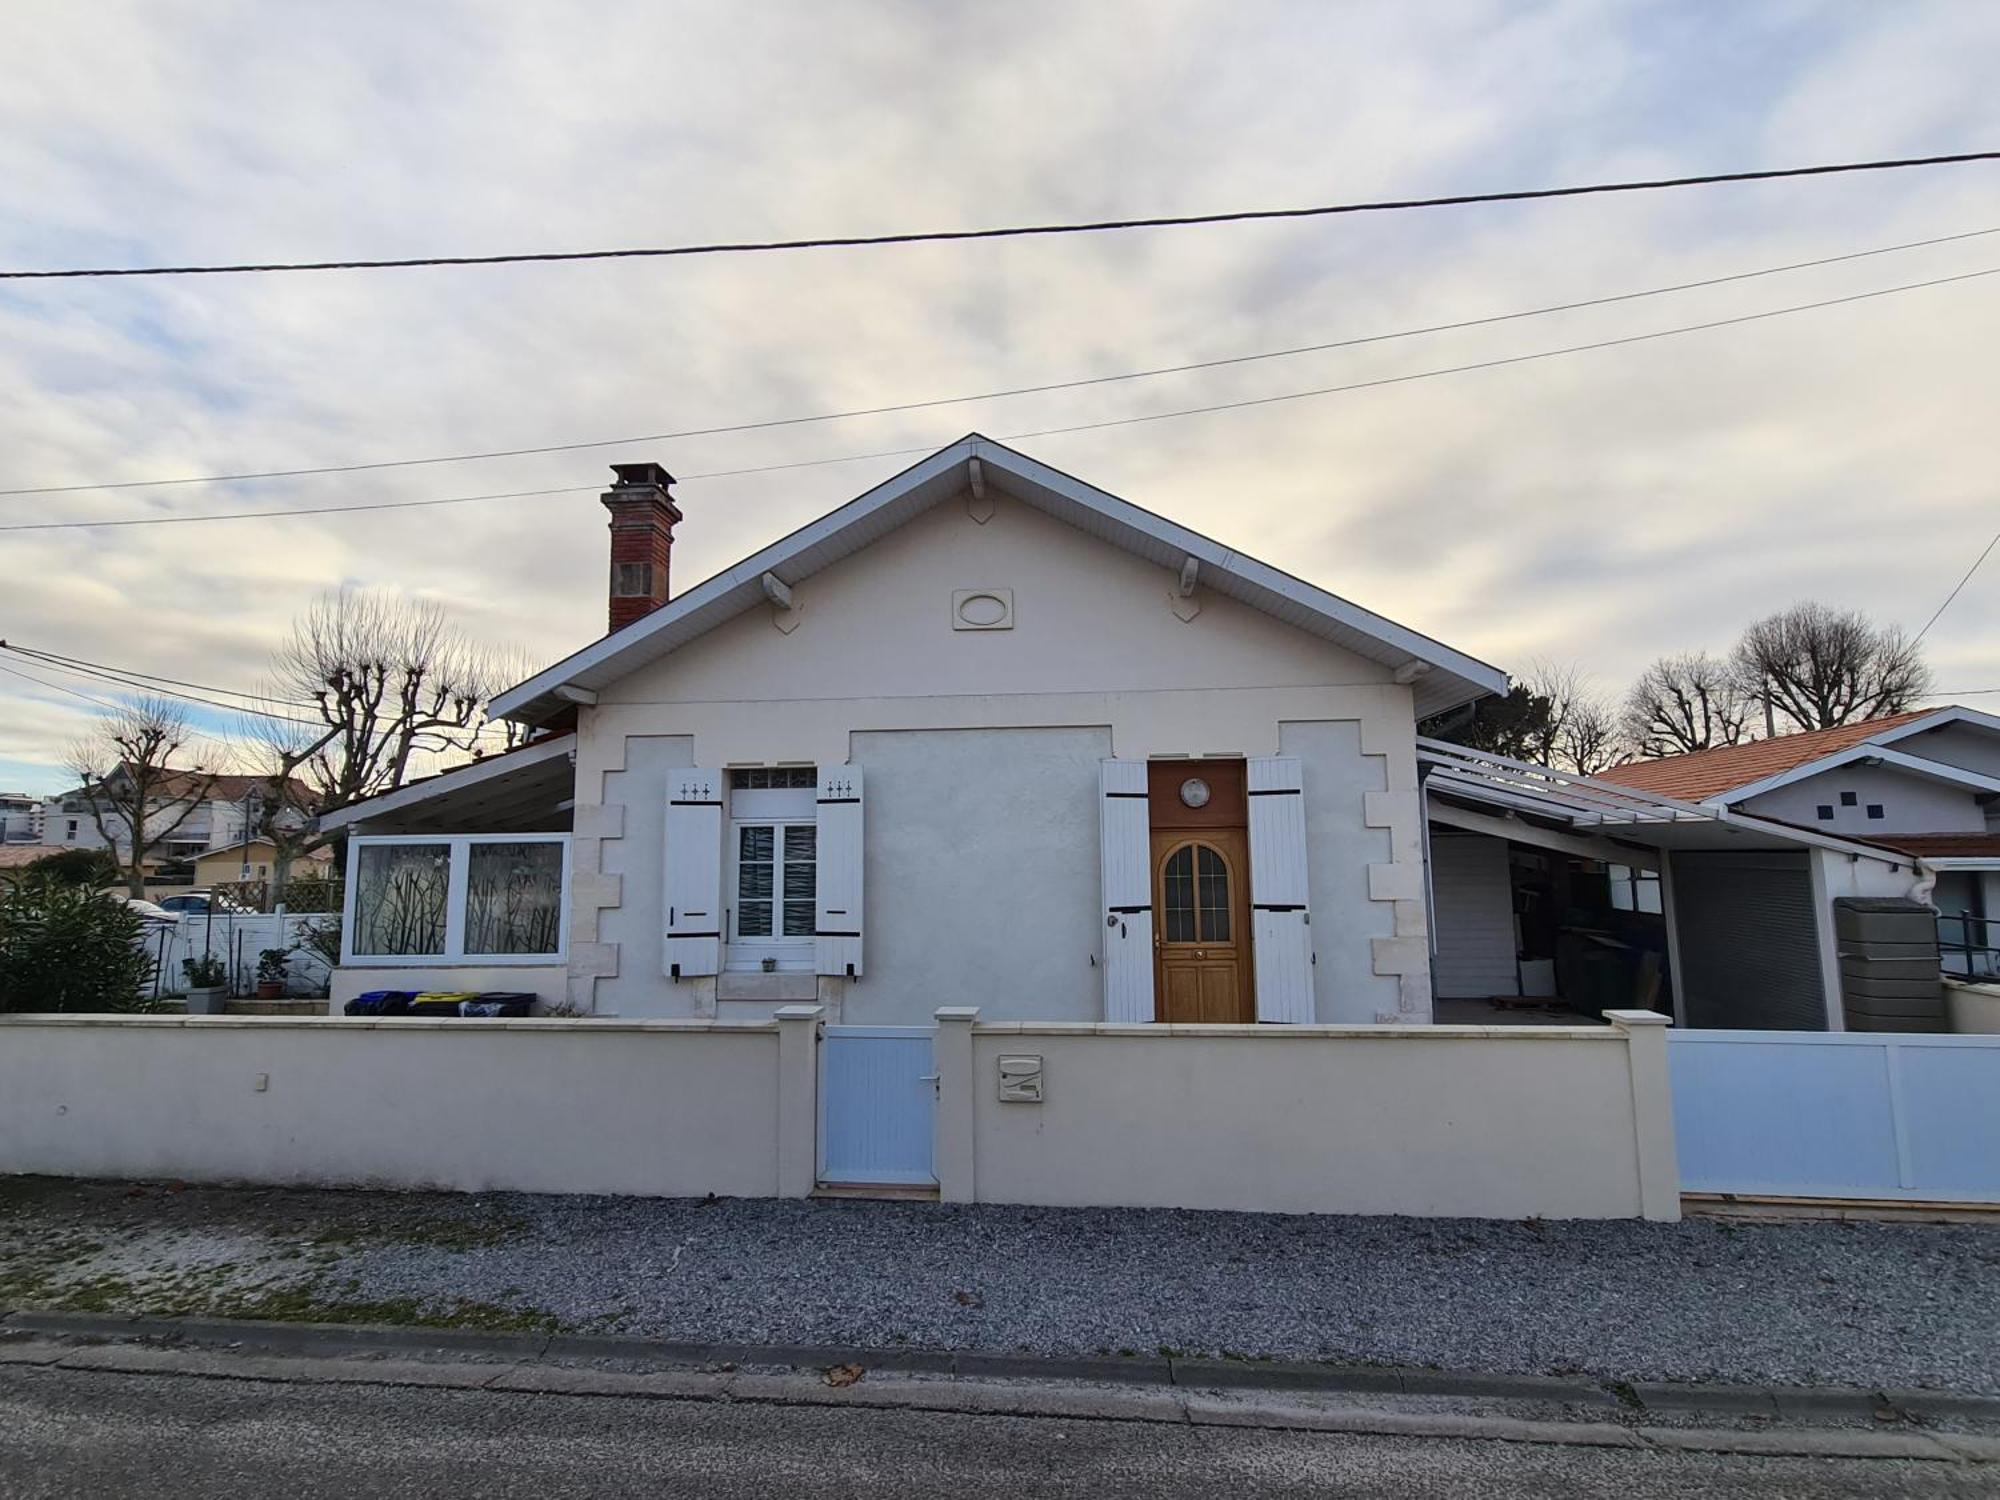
(150, 682)
(312, 510)
(143, 679)
(1022, 390)
(1956, 590)
(1019, 231)
(56, 687)
(1160, 416)
(110, 675)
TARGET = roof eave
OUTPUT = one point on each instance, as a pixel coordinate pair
(1450, 678)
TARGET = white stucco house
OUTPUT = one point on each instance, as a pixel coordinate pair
(983, 736)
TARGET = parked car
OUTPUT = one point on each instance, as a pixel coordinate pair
(147, 910)
(199, 903)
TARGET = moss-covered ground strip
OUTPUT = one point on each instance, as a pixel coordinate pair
(107, 1248)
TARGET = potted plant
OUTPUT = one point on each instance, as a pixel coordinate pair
(207, 982)
(271, 973)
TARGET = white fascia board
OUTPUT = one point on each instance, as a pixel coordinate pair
(456, 780)
(1917, 765)
(604, 660)
(1403, 643)
(745, 575)
(1955, 714)
(1772, 828)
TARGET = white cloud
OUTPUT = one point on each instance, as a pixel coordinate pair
(1602, 507)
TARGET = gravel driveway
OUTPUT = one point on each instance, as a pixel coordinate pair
(1850, 1304)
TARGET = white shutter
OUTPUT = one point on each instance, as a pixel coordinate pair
(838, 906)
(692, 889)
(1280, 919)
(1125, 829)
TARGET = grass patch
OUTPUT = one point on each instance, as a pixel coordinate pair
(308, 1304)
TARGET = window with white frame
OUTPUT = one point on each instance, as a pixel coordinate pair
(486, 898)
(1634, 889)
(773, 875)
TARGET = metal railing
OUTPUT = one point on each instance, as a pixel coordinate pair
(1969, 945)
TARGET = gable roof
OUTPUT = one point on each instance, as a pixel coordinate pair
(1443, 678)
(169, 783)
(1735, 772)
(1702, 774)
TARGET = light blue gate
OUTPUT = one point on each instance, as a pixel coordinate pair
(877, 1104)
(1837, 1114)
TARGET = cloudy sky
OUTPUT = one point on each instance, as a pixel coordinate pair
(1601, 507)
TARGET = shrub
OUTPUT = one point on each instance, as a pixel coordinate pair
(271, 965)
(64, 947)
(205, 972)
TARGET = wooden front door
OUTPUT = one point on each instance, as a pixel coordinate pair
(1201, 926)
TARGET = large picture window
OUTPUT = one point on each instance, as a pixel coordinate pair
(464, 898)
(399, 898)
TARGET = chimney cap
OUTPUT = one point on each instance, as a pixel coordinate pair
(645, 475)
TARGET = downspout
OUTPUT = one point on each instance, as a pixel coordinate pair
(1926, 882)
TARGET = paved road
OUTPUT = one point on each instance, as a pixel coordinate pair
(71, 1432)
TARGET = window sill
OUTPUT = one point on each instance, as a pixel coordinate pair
(453, 961)
(781, 985)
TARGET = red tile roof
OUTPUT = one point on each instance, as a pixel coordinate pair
(1702, 774)
(1944, 845)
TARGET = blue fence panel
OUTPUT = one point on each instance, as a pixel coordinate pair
(878, 1101)
(1837, 1115)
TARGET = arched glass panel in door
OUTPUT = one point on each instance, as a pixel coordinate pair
(1195, 895)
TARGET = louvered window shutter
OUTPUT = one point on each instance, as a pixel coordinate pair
(1126, 841)
(693, 884)
(1280, 917)
(838, 904)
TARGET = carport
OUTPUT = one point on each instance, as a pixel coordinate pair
(1551, 892)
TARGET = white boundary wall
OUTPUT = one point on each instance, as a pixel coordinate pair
(1497, 1122)
(661, 1108)
(1482, 1121)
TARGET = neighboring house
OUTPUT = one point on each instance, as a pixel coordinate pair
(253, 861)
(20, 818)
(1589, 894)
(230, 806)
(1926, 783)
(984, 736)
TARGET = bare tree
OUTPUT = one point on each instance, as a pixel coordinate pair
(1688, 702)
(1820, 667)
(1589, 740)
(1579, 732)
(373, 689)
(137, 796)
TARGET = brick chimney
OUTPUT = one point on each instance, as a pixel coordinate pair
(642, 540)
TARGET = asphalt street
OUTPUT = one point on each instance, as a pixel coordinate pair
(78, 1432)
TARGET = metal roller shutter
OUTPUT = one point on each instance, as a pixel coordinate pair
(1749, 945)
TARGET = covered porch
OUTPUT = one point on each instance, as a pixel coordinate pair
(1554, 897)
(458, 884)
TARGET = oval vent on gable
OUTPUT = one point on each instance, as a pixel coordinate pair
(982, 609)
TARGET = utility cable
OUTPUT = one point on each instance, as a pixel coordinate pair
(1018, 231)
(1044, 388)
(1158, 416)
